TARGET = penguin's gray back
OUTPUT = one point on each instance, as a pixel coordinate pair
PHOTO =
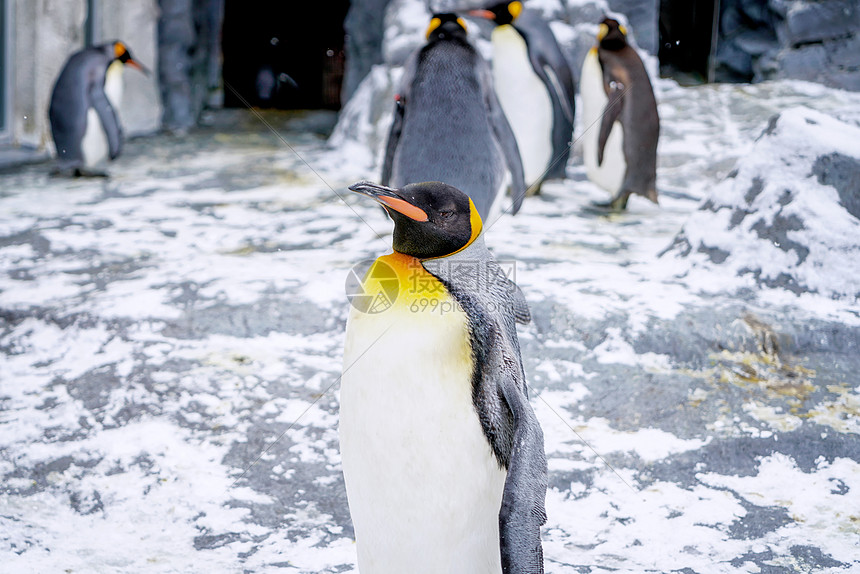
(447, 135)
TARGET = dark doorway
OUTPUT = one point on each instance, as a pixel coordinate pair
(687, 39)
(284, 54)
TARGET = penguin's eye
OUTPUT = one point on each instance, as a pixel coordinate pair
(446, 214)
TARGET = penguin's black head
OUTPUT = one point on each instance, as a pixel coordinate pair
(431, 219)
(121, 53)
(502, 13)
(611, 35)
(446, 25)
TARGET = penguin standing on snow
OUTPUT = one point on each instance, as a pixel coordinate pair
(442, 454)
(535, 86)
(448, 125)
(620, 156)
(84, 123)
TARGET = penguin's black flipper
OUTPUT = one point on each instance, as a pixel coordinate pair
(107, 115)
(506, 138)
(391, 146)
(522, 313)
(611, 113)
(523, 511)
(500, 397)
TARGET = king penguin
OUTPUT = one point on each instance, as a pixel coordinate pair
(83, 117)
(448, 125)
(442, 454)
(621, 155)
(535, 86)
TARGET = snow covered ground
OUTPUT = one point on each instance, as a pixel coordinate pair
(171, 343)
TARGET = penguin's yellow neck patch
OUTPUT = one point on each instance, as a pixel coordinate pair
(476, 224)
(515, 9)
(434, 23)
(119, 49)
(400, 282)
(602, 31)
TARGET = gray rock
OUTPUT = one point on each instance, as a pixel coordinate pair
(843, 80)
(757, 42)
(765, 67)
(806, 63)
(731, 20)
(585, 13)
(844, 52)
(843, 173)
(779, 7)
(733, 57)
(364, 26)
(757, 11)
(775, 221)
(814, 22)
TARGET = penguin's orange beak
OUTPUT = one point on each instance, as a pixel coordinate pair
(137, 65)
(389, 199)
(486, 14)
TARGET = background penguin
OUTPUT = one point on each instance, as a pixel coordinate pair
(83, 119)
(442, 454)
(448, 125)
(535, 86)
(620, 155)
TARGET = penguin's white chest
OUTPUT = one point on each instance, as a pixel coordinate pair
(423, 485)
(524, 99)
(95, 143)
(610, 174)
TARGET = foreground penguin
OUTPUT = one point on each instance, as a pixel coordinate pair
(442, 454)
(535, 86)
(620, 155)
(448, 125)
(83, 117)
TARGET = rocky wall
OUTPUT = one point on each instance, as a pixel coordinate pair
(771, 39)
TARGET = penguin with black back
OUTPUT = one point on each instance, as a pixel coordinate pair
(535, 85)
(443, 456)
(620, 156)
(83, 118)
(448, 124)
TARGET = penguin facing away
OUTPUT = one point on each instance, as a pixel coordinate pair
(448, 124)
(535, 86)
(620, 156)
(82, 113)
(443, 456)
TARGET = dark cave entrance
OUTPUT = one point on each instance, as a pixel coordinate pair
(285, 55)
(688, 38)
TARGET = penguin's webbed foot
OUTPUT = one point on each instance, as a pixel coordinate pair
(616, 204)
(534, 189)
(86, 172)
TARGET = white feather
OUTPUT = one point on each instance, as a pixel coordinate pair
(524, 99)
(610, 174)
(424, 488)
(95, 143)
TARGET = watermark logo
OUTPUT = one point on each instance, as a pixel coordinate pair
(372, 286)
